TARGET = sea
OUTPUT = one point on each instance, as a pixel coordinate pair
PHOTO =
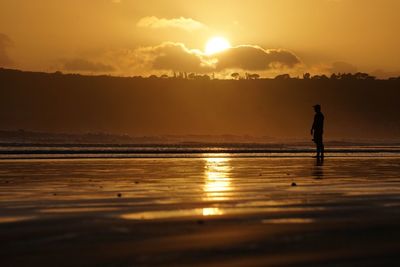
(197, 150)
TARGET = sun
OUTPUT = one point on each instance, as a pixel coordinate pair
(216, 45)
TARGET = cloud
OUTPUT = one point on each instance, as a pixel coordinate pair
(383, 74)
(171, 56)
(255, 58)
(177, 57)
(174, 56)
(5, 43)
(187, 24)
(85, 65)
(342, 67)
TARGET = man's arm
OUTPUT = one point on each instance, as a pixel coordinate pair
(313, 126)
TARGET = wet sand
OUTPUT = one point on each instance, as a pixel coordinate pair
(200, 212)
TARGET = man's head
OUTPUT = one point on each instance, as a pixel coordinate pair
(317, 108)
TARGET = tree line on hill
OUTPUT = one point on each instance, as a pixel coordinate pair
(256, 76)
(245, 76)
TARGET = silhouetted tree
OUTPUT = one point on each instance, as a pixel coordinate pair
(235, 75)
(203, 77)
(320, 77)
(254, 76)
(306, 76)
(346, 76)
(282, 77)
(363, 76)
(192, 76)
(334, 76)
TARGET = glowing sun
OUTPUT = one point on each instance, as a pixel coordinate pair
(216, 45)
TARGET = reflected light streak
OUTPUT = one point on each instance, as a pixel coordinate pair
(217, 182)
(212, 211)
(13, 219)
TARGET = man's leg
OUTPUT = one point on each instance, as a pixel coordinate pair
(322, 147)
(322, 150)
(317, 140)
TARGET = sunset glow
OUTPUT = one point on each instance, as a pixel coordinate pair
(216, 45)
(199, 133)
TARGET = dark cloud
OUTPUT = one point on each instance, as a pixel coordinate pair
(86, 66)
(5, 42)
(255, 58)
(342, 67)
(177, 57)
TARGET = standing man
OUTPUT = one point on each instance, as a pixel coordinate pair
(317, 130)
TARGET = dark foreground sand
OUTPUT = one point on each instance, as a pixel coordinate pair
(200, 212)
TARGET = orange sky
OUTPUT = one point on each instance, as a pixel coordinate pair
(135, 37)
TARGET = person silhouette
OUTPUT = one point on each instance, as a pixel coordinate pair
(317, 131)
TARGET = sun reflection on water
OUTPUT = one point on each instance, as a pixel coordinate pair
(217, 180)
(217, 183)
(212, 211)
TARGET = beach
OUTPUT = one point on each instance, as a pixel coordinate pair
(209, 210)
(148, 133)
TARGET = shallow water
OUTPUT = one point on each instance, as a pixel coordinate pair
(214, 210)
(147, 189)
(77, 151)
